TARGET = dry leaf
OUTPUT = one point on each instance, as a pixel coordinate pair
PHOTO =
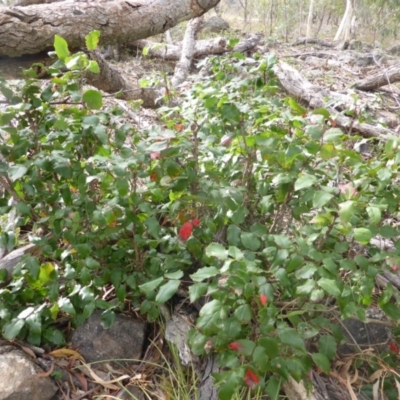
(60, 353)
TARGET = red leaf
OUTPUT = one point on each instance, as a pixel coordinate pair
(195, 222)
(233, 346)
(251, 379)
(186, 230)
(394, 348)
(263, 299)
(153, 176)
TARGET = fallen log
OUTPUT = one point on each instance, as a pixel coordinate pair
(173, 52)
(381, 78)
(318, 97)
(31, 29)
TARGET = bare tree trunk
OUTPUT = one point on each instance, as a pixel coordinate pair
(309, 20)
(345, 25)
(30, 30)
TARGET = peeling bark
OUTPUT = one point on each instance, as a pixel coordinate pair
(31, 29)
(381, 78)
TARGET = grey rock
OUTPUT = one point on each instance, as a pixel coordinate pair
(215, 24)
(362, 336)
(123, 341)
(130, 393)
(18, 378)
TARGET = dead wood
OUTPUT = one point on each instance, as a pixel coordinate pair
(31, 29)
(317, 97)
(248, 44)
(213, 46)
(112, 80)
(11, 260)
(185, 61)
(381, 78)
(311, 40)
(173, 52)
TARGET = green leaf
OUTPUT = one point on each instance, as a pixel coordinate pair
(306, 272)
(332, 135)
(346, 210)
(93, 99)
(197, 290)
(92, 263)
(250, 241)
(153, 227)
(167, 290)
(271, 346)
(66, 305)
(321, 198)
(362, 235)
(260, 359)
(322, 362)
(243, 313)
(17, 171)
(327, 346)
(229, 387)
(92, 40)
(235, 253)
(204, 273)
(374, 214)
(61, 47)
(174, 275)
(291, 338)
(239, 215)
(233, 235)
(304, 181)
(246, 347)
(330, 286)
(216, 250)
(13, 328)
(273, 388)
(148, 287)
(282, 241)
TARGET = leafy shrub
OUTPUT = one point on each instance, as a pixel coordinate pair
(266, 207)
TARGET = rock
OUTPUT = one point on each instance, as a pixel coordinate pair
(130, 393)
(18, 378)
(216, 24)
(362, 336)
(123, 341)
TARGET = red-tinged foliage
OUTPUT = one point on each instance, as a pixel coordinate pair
(251, 379)
(394, 348)
(153, 176)
(263, 299)
(195, 222)
(155, 155)
(233, 346)
(186, 230)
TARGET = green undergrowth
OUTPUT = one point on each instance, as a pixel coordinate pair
(260, 208)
